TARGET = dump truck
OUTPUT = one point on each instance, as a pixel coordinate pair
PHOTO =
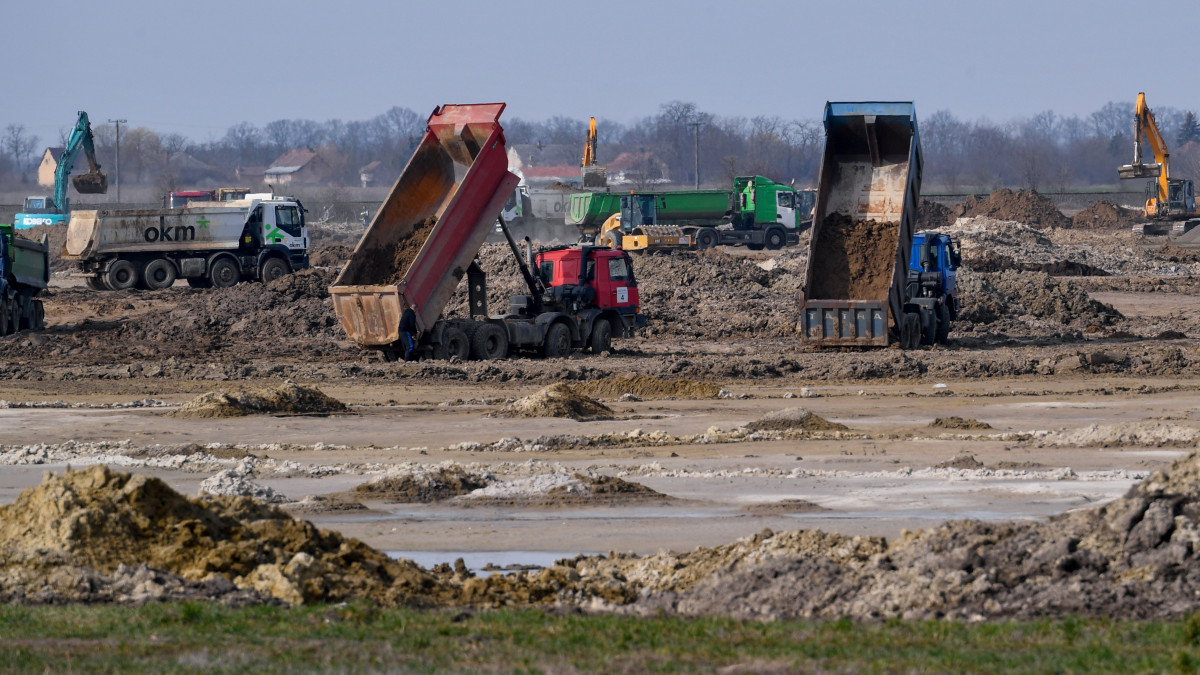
(24, 273)
(425, 239)
(868, 282)
(206, 243)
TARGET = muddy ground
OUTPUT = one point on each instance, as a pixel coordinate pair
(709, 465)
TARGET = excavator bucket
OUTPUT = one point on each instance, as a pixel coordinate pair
(1140, 171)
(91, 183)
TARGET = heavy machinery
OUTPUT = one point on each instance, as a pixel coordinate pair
(757, 213)
(24, 272)
(55, 210)
(1167, 198)
(206, 243)
(870, 281)
(425, 238)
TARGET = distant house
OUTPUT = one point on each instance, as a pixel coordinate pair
(299, 167)
(637, 167)
(49, 165)
(370, 173)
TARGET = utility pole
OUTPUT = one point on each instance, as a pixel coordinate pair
(696, 133)
(118, 181)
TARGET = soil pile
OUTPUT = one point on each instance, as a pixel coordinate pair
(557, 400)
(959, 423)
(987, 298)
(856, 260)
(794, 418)
(646, 386)
(286, 399)
(934, 216)
(424, 485)
(1024, 206)
(75, 536)
(1106, 215)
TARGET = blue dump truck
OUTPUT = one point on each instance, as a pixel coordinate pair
(872, 280)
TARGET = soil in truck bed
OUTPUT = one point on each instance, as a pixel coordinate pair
(854, 259)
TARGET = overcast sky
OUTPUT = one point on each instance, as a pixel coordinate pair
(198, 68)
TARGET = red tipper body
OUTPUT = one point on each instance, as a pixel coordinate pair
(459, 174)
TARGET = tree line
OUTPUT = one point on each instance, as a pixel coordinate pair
(1045, 152)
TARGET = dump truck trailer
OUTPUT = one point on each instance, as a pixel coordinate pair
(205, 243)
(425, 238)
(24, 273)
(860, 288)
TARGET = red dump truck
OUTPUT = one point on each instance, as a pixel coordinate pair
(425, 237)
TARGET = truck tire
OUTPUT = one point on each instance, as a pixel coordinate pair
(489, 343)
(273, 268)
(454, 344)
(121, 275)
(224, 273)
(706, 238)
(558, 342)
(775, 239)
(159, 274)
(601, 340)
(943, 324)
(95, 283)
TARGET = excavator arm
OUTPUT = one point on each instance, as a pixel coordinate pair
(91, 183)
(1145, 127)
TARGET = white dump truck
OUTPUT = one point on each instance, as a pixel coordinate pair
(207, 243)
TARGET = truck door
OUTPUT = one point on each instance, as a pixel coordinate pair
(785, 209)
(614, 282)
(287, 227)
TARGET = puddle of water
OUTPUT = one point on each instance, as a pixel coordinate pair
(476, 561)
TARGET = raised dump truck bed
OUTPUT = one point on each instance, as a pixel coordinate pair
(863, 223)
(429, 229)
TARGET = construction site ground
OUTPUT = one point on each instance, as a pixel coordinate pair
(1057, 393)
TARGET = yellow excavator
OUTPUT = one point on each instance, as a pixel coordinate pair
(1166, 198)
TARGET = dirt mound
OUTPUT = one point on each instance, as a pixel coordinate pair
(866, 246)
(794, 418)
(557, 400)
(1024, 206)
(960, 462)
(423, 486)
(987, 298)
(646, 386)
(1106, 215)
(958, 423)
(934, 216)
(76, 533)
(288, 398)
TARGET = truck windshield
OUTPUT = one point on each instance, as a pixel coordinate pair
(288, 220)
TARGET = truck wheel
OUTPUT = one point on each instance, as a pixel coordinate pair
(273, 268)
(489, 343)
(943, 324)
(95, 283)
(224, 273)
(454, 343)
(159, 274)
(39, 315)
(558, 342)
(775, 239)
(706, 238)
(601, 336)
(121, 275)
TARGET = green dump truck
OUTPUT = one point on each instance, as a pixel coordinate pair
(24, 272)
